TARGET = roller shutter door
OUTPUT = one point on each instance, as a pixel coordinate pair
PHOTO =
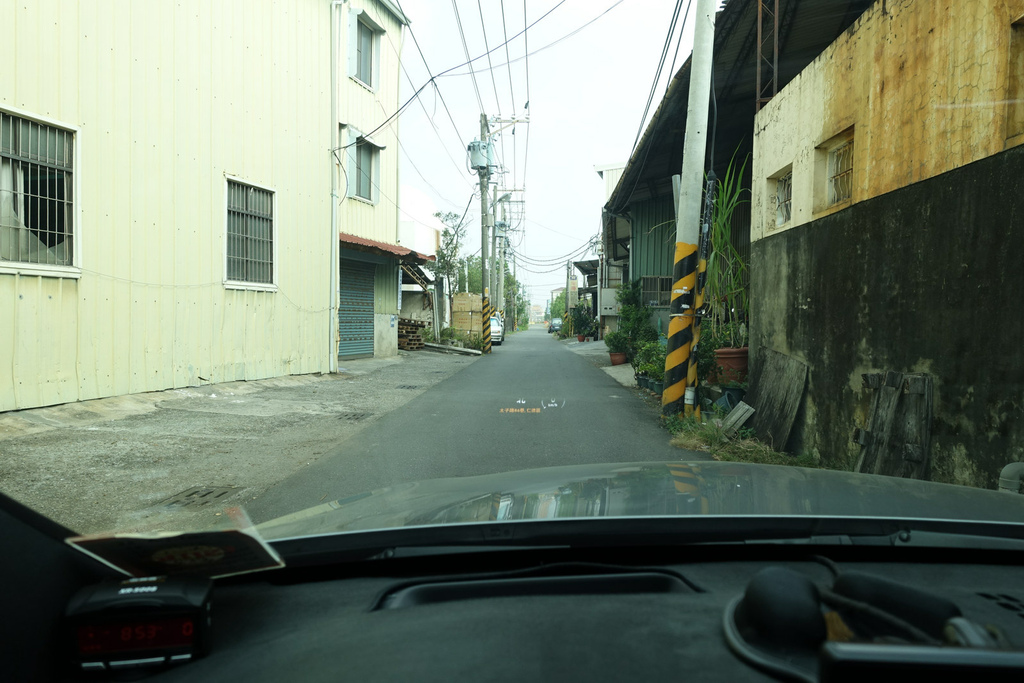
(355, 318)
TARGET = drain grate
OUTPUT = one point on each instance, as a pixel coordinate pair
(199, 496)
(354, 417)
(407, 386)
(1007, 602)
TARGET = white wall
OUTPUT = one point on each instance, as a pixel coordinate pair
(167, 99)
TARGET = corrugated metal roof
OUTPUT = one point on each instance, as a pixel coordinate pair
(384, 249)
(806, 28)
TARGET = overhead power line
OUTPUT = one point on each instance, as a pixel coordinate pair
(433, 79)
(494, 81)
(643, 161)
(465, 47)
(541, 49)
(437, 89)
(661, 65)
(508, 63)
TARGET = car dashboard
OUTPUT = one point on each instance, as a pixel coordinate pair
(701, 611)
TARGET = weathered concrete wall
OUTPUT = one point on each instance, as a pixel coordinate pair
(923, 279)
(385, 335)
(924, 87)
(415, 306)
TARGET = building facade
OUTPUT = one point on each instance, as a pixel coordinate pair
(167, 216)
(164, 217)
(370, 258)
(886, 206)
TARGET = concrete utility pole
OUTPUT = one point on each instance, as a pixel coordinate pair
(515, 299)
(494, 247)
(502, 244)
(485, 214)
(680, 393)
(485, 229)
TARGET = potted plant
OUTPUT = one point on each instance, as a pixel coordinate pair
(634, 320)
(725, 294)
(650, 361)
(653, 357)
(582, 321)
(617, 343)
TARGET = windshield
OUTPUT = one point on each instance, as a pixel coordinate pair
(378, 263)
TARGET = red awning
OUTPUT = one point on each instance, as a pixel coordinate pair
(404, 254)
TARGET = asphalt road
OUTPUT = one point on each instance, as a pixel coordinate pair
(532, 403)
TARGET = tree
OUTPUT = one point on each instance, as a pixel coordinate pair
(516, 299)
(447, 264)
(558, 306)
(474, 275)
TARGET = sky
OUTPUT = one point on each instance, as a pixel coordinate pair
(586, 92)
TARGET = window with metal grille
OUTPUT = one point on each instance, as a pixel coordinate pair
(36, 192)
(250, 234)
(657, 291)
(784, 199)
(840, 173)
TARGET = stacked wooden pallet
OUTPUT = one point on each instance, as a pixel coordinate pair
(410, 337)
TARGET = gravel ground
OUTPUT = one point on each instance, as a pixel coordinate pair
(112, 464)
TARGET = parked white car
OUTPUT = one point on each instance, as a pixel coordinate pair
(497, 331)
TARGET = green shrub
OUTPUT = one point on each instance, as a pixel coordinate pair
(617, 342)
(634, 320)
(650, 360)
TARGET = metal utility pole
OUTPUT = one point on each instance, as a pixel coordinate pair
(680, 392)
(767, 51)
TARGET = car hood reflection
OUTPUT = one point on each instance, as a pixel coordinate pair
(647, 489)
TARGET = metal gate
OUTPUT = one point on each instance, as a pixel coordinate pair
(355, 316)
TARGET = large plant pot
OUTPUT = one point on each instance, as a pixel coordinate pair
(617, 358)
(642, 380)
(656, 386)
(580, 337)
(731, 364)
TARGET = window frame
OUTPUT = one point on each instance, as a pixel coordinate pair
(776, 181)
(74, 271)
(832, 197)
(663, 280)
(274, 237)
(360, 17)
(362, 29)
(354, 136)
(1014, 133)
(364, 154)
(824, 161)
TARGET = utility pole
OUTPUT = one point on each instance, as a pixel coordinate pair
(680, 391)
(481, 156)
(515, 299)
(494, 247)
(485, 230)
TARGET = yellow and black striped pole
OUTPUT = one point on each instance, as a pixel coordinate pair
(703, 252)
(680, 393)
(486, 324)
(680, 332)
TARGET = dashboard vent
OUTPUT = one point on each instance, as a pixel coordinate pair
(600, 584)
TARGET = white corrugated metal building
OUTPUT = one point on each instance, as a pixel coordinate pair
(165, 172)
